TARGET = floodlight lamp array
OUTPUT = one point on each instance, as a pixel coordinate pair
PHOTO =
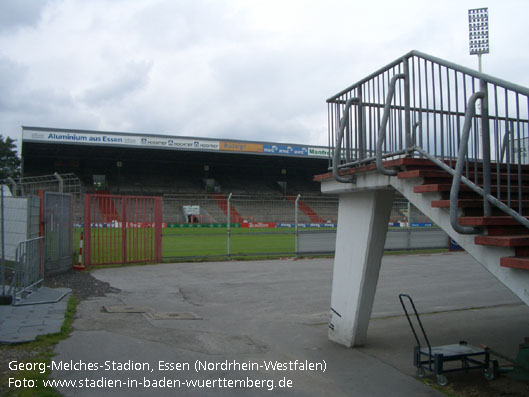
(478, 28)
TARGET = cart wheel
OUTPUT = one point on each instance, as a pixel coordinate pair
(489, 374)
(421, 373)
(442, 380)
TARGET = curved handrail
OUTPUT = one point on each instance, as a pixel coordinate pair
(411, 136)
(384, 123)
(463, 148)
(338, 146)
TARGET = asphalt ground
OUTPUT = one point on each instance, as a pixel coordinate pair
(260, 328)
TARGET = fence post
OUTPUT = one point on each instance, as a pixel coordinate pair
(296, 208)
(408, 221)
(61, 182)
(228, 224)
(123, 228)
(2, 280)
(87, 227)
(158, 228)
(14, 186)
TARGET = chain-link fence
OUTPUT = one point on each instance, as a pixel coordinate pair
(405, 214)
(60, 183)
(217, 225)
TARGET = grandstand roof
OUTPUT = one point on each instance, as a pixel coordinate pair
(166, 142)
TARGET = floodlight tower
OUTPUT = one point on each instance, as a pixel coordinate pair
(478, 29)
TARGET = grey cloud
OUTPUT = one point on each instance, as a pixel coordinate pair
(132, 77)
(16, 13)
(12, 76)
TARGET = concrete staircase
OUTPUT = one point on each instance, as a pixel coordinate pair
(501, 244)
(499, 230)
(307, 210)
(222, 202)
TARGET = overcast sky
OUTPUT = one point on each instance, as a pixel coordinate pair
(240, 69)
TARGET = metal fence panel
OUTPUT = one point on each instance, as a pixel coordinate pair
(122, 229)
(323, 242)
(58, 227)
(316, 242)
(265, 225)
(29, 269)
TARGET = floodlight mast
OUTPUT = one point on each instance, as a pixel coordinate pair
(478, 29)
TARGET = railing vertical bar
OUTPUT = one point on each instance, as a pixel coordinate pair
(420, 103)
(389, 142)
(436, 153)
(330, 133)
(400, 142)
(485, 134)
(397, 126)
(413, 90)
(368, 118)
(508, 148)
(497, 143)
(407, 104)
(448, 116)
(457, 118)
(441, 117)
(380, 100)
(519, 153)
(527, 138)
(465, 105)
(427, 97)
(347, 143)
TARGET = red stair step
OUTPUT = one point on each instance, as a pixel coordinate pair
(506, 231)
(468, 203)
(423, 173)
(437, 173)
(515, 262)
(445, 187)
(503, 241)
(488, 221)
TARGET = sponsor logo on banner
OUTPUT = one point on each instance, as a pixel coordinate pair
(259, 225)
(194, 144)
(116, 139)
(241, 147)
(119, 225)
(155, 142)
(286, 149)
(74, 137)
(319, 151)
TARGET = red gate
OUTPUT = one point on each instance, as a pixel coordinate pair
(122, 229)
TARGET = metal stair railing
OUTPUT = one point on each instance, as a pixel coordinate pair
(372, 120)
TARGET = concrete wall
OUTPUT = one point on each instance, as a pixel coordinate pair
(396, 239)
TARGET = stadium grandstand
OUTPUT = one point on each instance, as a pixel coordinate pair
(133, 164)
(213, 184)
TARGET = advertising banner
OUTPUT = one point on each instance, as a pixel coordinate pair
(89, 138)
(290, 150)
(241, 147)
(259, 225)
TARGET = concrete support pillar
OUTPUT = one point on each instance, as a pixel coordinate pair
(362, 225)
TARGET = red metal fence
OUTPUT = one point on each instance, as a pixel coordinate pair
(122, 229)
